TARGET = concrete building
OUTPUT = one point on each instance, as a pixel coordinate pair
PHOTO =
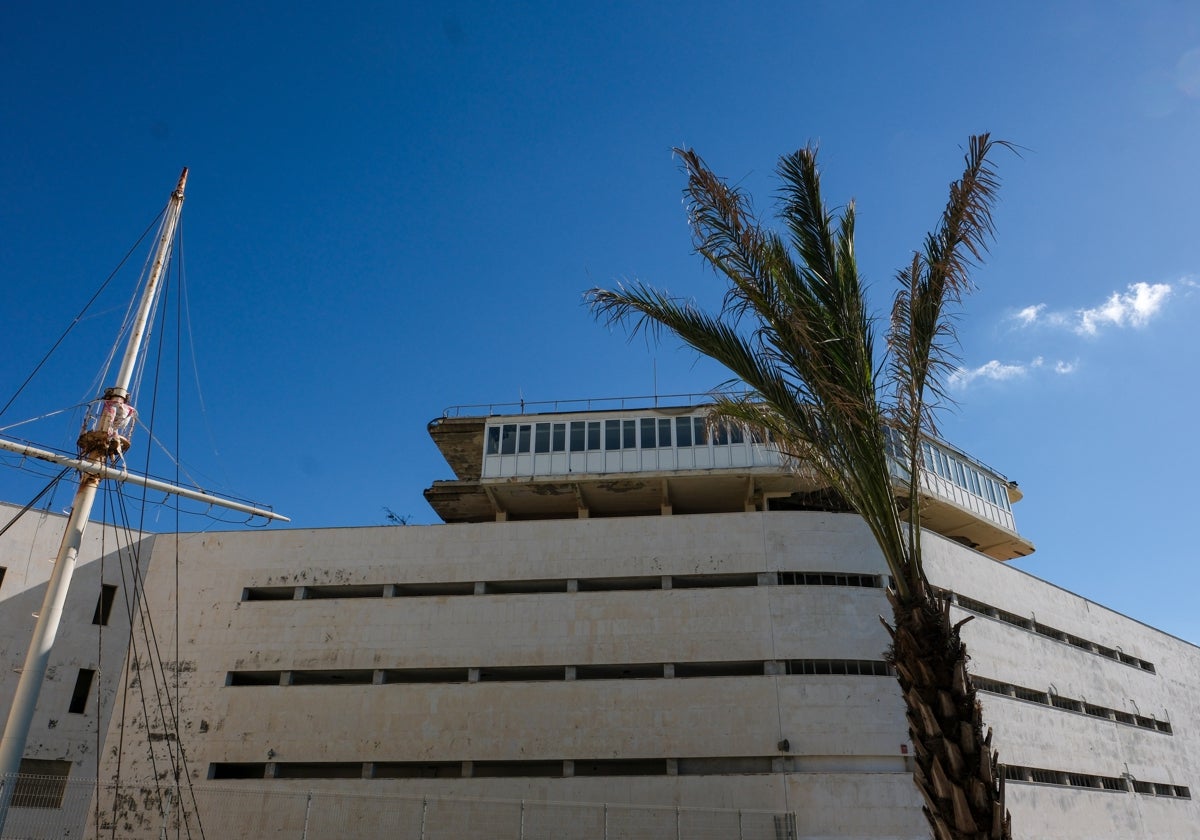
(632, 609)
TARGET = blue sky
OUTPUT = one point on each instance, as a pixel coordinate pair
(395, 207)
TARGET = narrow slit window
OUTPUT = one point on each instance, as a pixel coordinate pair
(104, 604)
(593, 435)
(493, 442)
(83, 687)
(559, 442)
(523, 439)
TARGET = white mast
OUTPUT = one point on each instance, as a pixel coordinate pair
(99, 446)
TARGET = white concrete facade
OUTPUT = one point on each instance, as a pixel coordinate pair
(717, 738)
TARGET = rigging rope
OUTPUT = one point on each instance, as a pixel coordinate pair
(140, 617)
(34, 501)
(82, 312)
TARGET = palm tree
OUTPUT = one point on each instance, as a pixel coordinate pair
(794, 328)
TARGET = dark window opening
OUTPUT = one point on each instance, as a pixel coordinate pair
(524, 587)
(718, 669)
(104, 604)
(348, 677)
(622, 767)
(425, 675)
(420, 590)
(319, 770)
(514, 769)
(366, 590)
(418, 770)
(635, 671)
(268, 593)
(240, 678)
(713, 581)
(237, 770)
(83, 687)
(620, 584)
(523, 673)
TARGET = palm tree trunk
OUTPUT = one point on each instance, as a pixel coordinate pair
(957, 771)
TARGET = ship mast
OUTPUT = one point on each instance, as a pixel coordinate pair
(103, 441)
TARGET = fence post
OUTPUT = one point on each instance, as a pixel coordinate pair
(307, 811)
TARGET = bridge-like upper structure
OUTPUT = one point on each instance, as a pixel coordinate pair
(641, 456)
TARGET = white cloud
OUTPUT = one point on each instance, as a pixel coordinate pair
(1029, 314)
(998, 371)
(1140, 303)
(994, 370)
(1132, 308)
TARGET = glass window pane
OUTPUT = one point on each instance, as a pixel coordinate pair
(493, 444)
(699, 431)
(578, 428)
(508, 440)
(612, 434)
(648, 436)
(593, 436)
(559, 441)
(664, 432)
(736, 434)
(541, 437)
(630, 435)
(523, 438)
(721, 434)
(683, 431)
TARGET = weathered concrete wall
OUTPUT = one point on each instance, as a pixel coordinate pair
(844, 769)
(27, 552)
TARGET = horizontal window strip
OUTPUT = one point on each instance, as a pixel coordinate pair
(1046, 698)
(980, 608)
(1118, 784)
(560, 673)
(520, 768)
(443, 589)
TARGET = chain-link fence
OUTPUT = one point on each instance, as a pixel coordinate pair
(50, 808)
